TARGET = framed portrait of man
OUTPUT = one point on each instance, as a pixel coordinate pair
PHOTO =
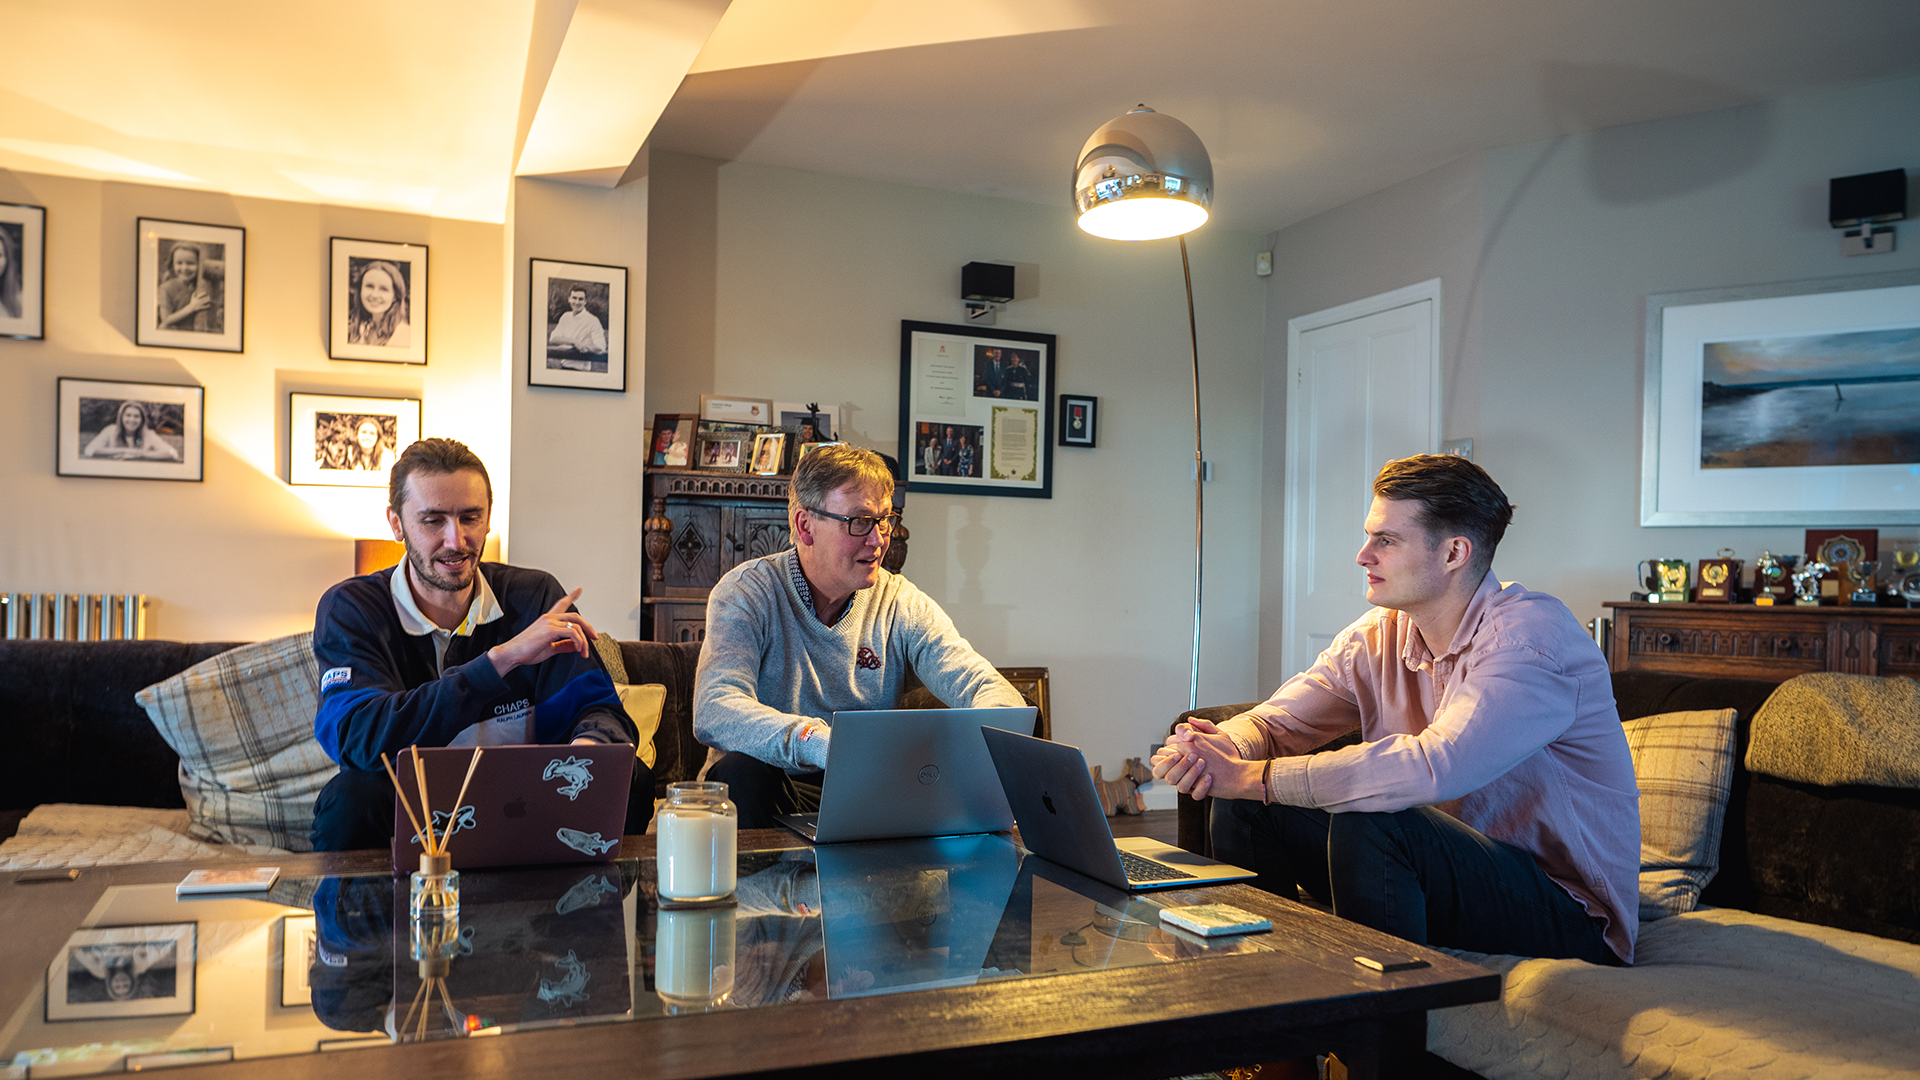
(378, 309)
(577, 325)
(191, 286)
(344, 441)
(130, 430)
(23, 271)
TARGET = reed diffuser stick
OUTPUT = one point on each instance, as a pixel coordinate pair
(402, 793)
(426, 801)
(472, 764)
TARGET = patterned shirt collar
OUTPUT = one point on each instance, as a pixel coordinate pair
(483, 610)
(800, 581)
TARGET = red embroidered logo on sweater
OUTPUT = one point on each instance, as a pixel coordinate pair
(867, 659)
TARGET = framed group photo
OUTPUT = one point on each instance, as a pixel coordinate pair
(23, 271)
(577, 325)
(192, 286)
(378, 307)
(1788, 404)
(342, 441)
(974, 415)
(129, 430)
(109, 973)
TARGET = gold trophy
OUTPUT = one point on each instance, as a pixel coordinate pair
(1906, 572)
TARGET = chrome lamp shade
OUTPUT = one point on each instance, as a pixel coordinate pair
(1143, 176)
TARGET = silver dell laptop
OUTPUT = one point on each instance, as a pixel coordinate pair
(1052, 796)
(896, 773)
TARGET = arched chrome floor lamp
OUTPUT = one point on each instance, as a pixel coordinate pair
(1147, 176)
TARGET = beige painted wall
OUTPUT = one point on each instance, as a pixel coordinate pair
(811, 276)
(1547, 253)
(578, 454)
(241, 555)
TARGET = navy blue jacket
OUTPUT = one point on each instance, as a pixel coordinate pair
(379, 692)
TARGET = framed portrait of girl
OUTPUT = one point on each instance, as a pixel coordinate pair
(378, 309)
(23, 270)
(129, 430)
(192, 286)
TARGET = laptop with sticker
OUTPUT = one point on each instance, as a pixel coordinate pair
(527, 805)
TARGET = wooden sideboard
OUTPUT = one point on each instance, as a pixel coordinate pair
(701, 524)
(1741, 641)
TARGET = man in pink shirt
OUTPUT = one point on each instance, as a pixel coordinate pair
(1491, 805)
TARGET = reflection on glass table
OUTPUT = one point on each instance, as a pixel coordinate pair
(328, 963)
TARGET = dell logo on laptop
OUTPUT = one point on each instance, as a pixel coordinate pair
(929, 773)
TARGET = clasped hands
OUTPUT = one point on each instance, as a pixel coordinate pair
(1199, 760)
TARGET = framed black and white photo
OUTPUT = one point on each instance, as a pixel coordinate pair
(129, 430)
(192, 286)
(339, 441)
(1079, 420)
(108, 973)
(379, 301)
(23, 271)
(577, 326)
(973, 410)
(1788, 404)
(296, 960)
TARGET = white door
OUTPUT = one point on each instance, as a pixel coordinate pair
(1363, 388)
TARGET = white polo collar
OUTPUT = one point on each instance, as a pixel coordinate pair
(484, 609)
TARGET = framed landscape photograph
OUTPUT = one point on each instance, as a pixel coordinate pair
(110, 973)
(23, 271)
(378, 309)
(577, 326)
(339, 441)
(1790, 404)
(973, 410)
(1079, 420)
(192, 286)
(129, 430)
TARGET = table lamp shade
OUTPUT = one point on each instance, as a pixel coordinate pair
(1143, 176)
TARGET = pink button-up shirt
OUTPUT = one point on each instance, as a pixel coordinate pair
(1513, 731)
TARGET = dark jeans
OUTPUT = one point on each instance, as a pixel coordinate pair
(761, 791)
(1417, 874)
(355, 810)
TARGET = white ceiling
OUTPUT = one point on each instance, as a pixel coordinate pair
(432, 105)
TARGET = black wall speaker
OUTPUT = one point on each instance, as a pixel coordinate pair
(1870, 197)
(992, 282)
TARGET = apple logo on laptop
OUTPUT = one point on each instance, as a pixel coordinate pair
(515, 809)
(928, 774)
(1046, 800)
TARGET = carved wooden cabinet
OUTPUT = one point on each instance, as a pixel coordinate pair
(701, 525)
(1740, 641)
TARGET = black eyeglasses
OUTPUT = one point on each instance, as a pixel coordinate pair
(861, 526)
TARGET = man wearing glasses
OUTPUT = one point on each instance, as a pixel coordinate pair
(794, 637)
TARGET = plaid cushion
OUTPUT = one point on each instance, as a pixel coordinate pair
(242, 723)
(1684, 763)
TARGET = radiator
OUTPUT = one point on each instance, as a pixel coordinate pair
(74, 616)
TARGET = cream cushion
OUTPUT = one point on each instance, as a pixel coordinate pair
(242, 723)
(1684, 764)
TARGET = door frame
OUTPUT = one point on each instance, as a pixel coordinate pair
(1290, 560)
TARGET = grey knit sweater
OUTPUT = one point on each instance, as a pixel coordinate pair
(770, 668)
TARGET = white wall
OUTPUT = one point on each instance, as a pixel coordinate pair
(811, 276)
(1547, 253)
(577, 454)
(241, 555)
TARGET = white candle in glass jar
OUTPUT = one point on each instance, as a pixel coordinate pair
(696, 854)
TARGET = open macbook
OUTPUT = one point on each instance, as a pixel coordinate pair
(526, 804)
(909, 773)
(1052, 797)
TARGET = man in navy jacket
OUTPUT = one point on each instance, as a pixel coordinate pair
(444, 650)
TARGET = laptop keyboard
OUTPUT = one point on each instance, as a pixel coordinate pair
(1143, 869)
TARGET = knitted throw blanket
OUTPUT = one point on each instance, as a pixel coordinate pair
(1829, 729)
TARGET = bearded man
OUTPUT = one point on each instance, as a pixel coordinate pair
(445, 650)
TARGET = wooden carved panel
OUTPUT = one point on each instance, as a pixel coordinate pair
(1898, 652)
(1776, 643)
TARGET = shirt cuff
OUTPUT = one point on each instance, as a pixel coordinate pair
(600, 726)
(810, 744)
(1287, 782)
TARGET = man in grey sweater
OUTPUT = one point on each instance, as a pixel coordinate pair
(819, 628)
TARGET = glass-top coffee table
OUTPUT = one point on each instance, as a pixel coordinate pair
(961, 952)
